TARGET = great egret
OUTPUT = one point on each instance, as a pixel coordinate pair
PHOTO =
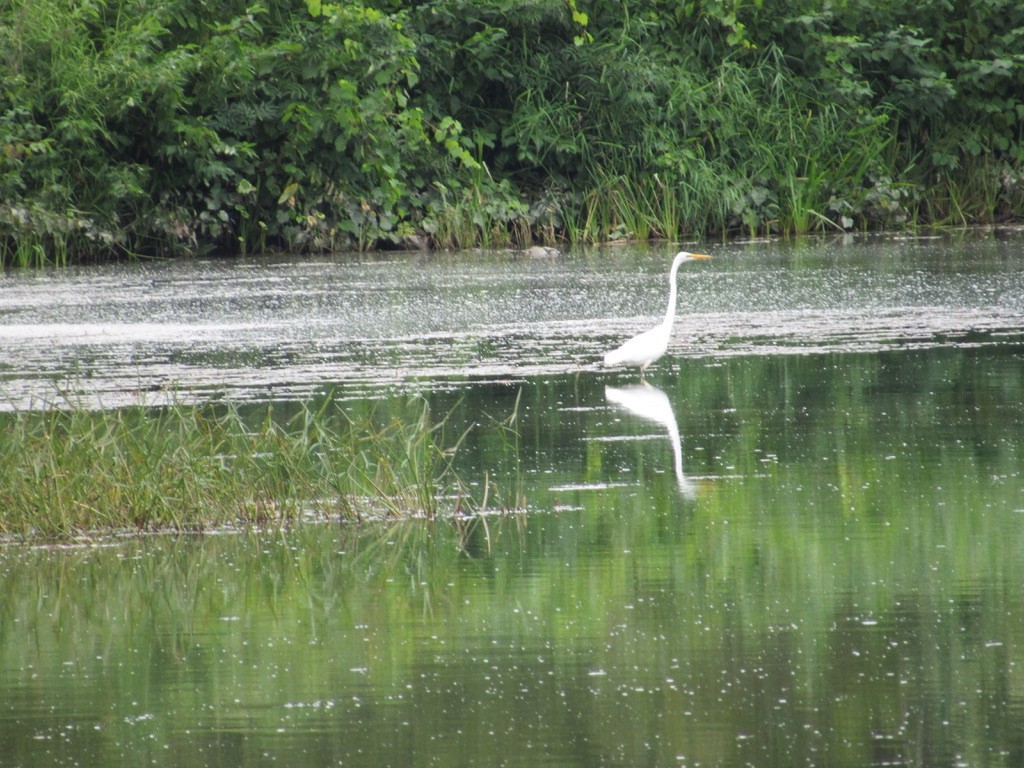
(647, 347)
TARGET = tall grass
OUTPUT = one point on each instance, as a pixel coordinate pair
(718, 150)
(482, 214)
(189, 468)
(978, 190)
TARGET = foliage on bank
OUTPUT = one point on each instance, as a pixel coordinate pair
(131, 127)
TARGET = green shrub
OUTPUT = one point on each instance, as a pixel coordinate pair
(185, 126)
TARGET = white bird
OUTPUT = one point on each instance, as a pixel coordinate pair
(647, 347)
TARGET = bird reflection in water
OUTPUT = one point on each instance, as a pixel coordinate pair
(649, 402)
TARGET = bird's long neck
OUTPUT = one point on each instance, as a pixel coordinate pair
(670, 312)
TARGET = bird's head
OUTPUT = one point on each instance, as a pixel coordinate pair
(687, 256)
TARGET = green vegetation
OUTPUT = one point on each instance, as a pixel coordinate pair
(187, 468)
(128, 127)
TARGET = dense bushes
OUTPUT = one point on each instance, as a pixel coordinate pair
(182, 126)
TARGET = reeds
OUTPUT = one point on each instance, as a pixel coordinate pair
(64, 473)
(483, 214)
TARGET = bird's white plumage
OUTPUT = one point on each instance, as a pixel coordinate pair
(642, 349)
(648, 346)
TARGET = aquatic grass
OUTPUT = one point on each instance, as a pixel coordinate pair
(185, 468)
(482, 214)
(25, 253)
(978, 190)
(630, 207)
(35, 239)
(402, 467)
(806, 195)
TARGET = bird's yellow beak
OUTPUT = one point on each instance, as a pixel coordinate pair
(699, 256)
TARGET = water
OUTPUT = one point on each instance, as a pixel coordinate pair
(800, 543)
(379, 326)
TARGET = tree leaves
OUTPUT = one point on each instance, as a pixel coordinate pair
(240, 125)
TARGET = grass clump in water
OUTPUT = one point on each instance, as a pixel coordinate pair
(68, 472)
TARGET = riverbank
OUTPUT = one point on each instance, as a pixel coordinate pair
(131, 129)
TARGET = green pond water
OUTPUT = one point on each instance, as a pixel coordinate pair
(799, 542)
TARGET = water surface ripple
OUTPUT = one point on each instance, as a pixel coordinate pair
(285, 328)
